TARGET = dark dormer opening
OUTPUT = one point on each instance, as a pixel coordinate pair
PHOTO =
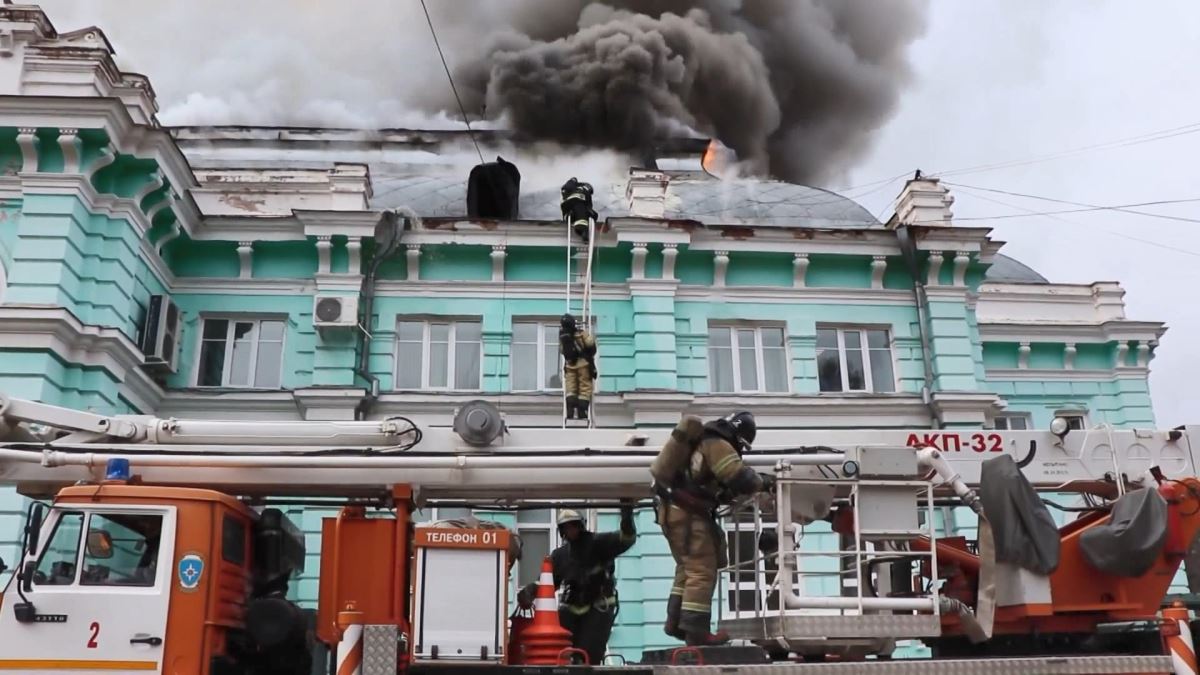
(493, 190)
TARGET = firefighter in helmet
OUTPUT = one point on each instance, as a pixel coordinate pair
(713, 474)
(584, 570)
(577, 206)
(578, 349)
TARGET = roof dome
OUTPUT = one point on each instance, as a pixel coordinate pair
(761, 203)
(1008, 270)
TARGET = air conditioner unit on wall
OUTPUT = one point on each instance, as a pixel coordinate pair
(160, 333)
(332, 311)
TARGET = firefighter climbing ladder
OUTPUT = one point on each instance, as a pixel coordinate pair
(580, 256)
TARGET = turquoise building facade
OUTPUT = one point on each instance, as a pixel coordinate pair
(709, 295)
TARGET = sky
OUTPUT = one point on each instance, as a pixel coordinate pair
(994, 82)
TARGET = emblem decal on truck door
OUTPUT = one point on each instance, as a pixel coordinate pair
(191, 569)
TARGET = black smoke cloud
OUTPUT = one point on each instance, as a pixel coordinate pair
(795, 87)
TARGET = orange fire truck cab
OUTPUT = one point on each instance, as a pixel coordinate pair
(133, 578)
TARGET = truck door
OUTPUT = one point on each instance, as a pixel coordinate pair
(100, 591)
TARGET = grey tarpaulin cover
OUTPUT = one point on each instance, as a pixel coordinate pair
(1129, 543)
(1025, 534)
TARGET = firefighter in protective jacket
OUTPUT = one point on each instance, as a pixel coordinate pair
(578, 349)
(584, 570)
(714, 474)
(577, 206)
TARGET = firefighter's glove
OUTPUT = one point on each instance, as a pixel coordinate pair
(768, 482)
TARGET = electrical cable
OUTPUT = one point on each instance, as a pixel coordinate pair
(1123, 208)
(1161, 134)
(1086, 227)
(461, 108)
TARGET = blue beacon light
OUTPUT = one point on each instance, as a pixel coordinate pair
(117, 469)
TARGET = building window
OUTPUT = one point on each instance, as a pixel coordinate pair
(535, 363)
(1014, 422)
(747, 359)
(855, 359)
(1076, 420)
(439, 355)
(241, 353)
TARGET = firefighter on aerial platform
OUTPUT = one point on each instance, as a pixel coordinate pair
(699, 469)
(578, 349)
(577, 206)
(584, 570)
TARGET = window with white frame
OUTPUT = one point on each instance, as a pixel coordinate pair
(1076, 419)
(535, 363)
(539, 536)
(240, 352)
(855, 359)
(1012, 422)
(437, 354)
(747, 359)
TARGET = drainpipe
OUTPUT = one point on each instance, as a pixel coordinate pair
(387, 242)
(909, 250)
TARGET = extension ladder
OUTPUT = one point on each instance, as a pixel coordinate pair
(580, 257)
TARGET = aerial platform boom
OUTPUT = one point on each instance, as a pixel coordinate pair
(368, 457)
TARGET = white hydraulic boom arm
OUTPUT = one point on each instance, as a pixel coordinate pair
(342, 459)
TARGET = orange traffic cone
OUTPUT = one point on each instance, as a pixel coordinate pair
(543, 638)
(1179, 640)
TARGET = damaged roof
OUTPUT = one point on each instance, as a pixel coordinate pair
(761, 203)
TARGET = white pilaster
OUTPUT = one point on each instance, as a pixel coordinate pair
(324, 253)
(72, 146)
(354, 254)
(1069, 356)
(1023, 355)
(961, 260)
(669, 253)
(167, 202)
(1122, 353)
(720, 267)
(155, 182)
(878, 267)
(27, 140)
(107, 156)
(245, 252)
(499, 254)
(800, 270)
(168, 237)
(1143, 354)
(413, 256)
(639, 260)
(935, 267)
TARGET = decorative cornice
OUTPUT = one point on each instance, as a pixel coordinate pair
(1079, 333)
(128, 137)
(1056, 375)
(58, 331)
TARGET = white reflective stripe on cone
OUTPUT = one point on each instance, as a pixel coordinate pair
(547, 579)
(350, 651)
(546, 604)
(1183, 652)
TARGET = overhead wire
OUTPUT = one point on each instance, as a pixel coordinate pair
(1092, 207)
(1114, 233)
(1089, 209)
(461, 108)
(1149, 137)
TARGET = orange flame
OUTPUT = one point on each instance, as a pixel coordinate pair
(709, 162)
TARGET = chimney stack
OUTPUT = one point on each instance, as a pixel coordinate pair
(924, 201)
(646, 193)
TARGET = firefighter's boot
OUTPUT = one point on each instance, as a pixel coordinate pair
(695, 626)
(671, 625)
(572, 407)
